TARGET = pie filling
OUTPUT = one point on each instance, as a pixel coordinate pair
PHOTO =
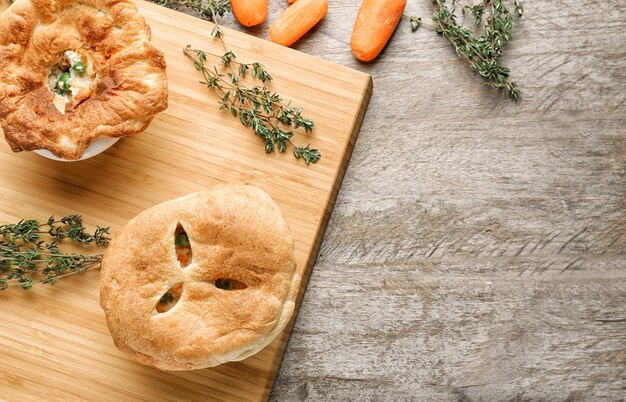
(182, 246)
(71, 76)
(184, 255)
(169, 299)
(229, 284)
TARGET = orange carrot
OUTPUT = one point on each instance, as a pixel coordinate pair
(291, 1)
(250, 12)
(374, 25)
(297, 20)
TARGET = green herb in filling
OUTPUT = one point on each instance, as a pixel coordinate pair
(63, 83)
(224, 284)
(79, 67)
(182, 240)
(168, 297)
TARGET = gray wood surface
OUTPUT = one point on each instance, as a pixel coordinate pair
(477, 247)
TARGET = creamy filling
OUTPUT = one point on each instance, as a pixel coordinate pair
(69, 77)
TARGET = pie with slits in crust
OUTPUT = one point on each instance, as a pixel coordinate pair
(201, 280)
(74, 71)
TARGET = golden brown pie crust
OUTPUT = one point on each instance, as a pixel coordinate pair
(130, 87)
(236, 232)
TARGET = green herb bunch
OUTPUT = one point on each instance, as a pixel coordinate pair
(29, 250)
(209, 9)
(257, 108)
(483, 53)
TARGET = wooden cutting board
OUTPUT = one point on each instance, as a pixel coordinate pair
(54, 343)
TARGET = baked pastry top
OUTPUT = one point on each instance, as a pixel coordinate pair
(200, 280)
(73, 71)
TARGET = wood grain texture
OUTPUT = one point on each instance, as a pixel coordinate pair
(472, 258)
(477, 250)
(54, 342)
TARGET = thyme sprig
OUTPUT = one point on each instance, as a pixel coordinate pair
(257, 107)
(209, 9)
(483, 53)
(30, 251)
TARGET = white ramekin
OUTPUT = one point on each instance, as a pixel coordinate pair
(97, 147)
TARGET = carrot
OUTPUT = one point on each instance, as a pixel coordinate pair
(250, 12)
(291, 1)
(374, 25)
(297, 20)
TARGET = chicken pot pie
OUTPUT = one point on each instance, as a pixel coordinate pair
(201, 280)
(73, 71)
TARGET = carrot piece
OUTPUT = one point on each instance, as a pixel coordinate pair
(297, 20)
(250, 12)
(291, 1)
(374, 25)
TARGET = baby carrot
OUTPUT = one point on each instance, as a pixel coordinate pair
(250, 12)
(374, 25)
(297, 20)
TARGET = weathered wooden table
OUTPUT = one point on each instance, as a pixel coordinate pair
(477, 250)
